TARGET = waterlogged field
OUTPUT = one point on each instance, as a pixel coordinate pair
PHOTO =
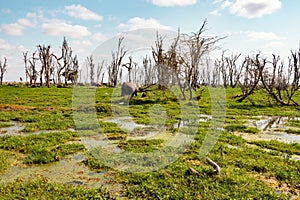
(45, 154)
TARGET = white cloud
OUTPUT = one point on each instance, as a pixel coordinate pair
(78, 11)
(267, 36)
(22, 48)
(168, 3)
(215, 13)
(80, 46)
(254, 8)
(138, 23)
(226, 4)
(275, 44)
(4, 45)
(17, 28)
(217, 1)
(61, 28)
(98, 37)
(268, 40)
(25, 22)
(12, 29)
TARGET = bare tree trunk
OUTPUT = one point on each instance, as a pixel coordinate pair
(46, 59)
(99, 70)
(3, 69)
(214, 165)
(117, 57)
(129, 67)
(253, 69)
(91, 66)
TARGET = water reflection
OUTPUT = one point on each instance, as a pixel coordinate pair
(272, 128)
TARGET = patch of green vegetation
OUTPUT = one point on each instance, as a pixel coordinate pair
(43, 148)
(293, 148)
(241, 128)
(141, 146)
(295, 123)
(231, 139)
(266, 163)
(5, 125)
(43, 189)
(4, 160)
(95, 164)
(293, 131)
(112, 130)
(177, 181)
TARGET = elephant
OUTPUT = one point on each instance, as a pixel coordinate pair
(130, 89)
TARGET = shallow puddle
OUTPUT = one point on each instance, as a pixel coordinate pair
(126, 123)
(267, 123)
(16, 128)
(283, 155)
(271, 128)
(279, 136)
(69, 170)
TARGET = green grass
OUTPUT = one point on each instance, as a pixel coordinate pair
(241, 128)
(5, 125)
(4, 160)
(295, 123)
(245, 170)
(43, 148)
(293, 131)
(141, 146)
(279, 146)
(43, 189)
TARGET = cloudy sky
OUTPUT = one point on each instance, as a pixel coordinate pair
(270, 26)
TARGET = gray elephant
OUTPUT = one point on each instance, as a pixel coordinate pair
(130, 89)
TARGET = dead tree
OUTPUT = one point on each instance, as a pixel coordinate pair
(220, 65)
(117, 57)
(205, 76)
(91, 66)
(148, 74)
(99, 71)
(293, 75)
(234, 72)
(27, 74)
(73, 73)
(160, 65)
(174, 63)
(216, 76)
(129, 67)
(3, 69)
(45, 56)
(194, 47)
(253, 68)
(30, 67)
(64, 62)
(281, 86)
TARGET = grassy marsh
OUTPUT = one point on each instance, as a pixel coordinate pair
(247, 172)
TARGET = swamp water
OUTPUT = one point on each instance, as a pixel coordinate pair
(272, 128)
(71, 170)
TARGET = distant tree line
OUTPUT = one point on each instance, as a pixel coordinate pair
(184, 63)
(49, 67)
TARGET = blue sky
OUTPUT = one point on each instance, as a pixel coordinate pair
(270, 26)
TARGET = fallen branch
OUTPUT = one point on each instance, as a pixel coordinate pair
(221, 152)
(194, 171)
(214, 165)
